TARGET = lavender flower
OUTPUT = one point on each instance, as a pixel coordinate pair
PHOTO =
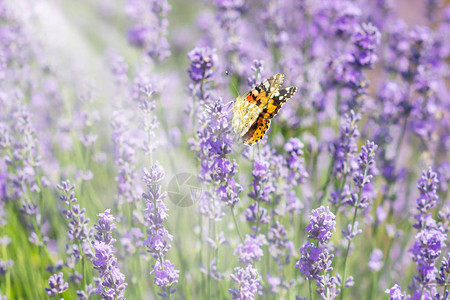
(280, 247)
(321, 224)
(429, 241)
(165, 275)
(203, 61)
(256, 214)
(365, 38)
(428, 199)
(248, 281)
(257, 68)
(158, 240)
(420, 42)
(395, 293)
(229, 11)
(426, 250)
(79, 234)
(262, 186)
(295, 162)
(345, 147)
(315, 261)
(444, 272)
(398, 47)
(87, 293)
(124, 158)
(250, 251)
(78, 224)
(5, 266)
(57, 285)
(375, 260)
(366, 162)
(347, 16)
(229, 16)
(150, 27)
(105, 227)
(214, 144)
(112, 285)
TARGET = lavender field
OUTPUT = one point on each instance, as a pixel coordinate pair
(121, 176)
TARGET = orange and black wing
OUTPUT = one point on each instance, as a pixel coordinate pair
(276, 102)
(256, 131)
(260, 94)
(261, 125)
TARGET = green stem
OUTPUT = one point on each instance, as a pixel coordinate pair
(349, 241)
(315, 156)
(340, 193)
(208, 278)
(327, 181)
(445, 285)
(236, 224)
(8, 273)
(166, 130)
(421, 292)
(400, 139)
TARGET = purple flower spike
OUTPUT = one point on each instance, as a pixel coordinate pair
(150, 27)
(321, 224)
(248, 281)
(366, 162)
(426, 250)
(429, 242)
(78, 224)
(229, 11)
(366, 38)
(57, 285)
(262, 185)
(165, 275)
(105, 227)
(158, 238)
(250, 251)
(395, 293)
(215, 141)
(313, 261)
(429, 198)
(345, 147)
(376, 260)
(112, 284)
(203, 61)
(315, 258)
(295, 161)
(444, 271)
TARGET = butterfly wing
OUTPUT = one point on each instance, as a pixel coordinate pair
(245, 114)
(276, 102)
(247, 109)
(256, 131)
(252, 113)
(259, 128)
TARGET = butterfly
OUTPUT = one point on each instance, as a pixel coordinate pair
(253, 113)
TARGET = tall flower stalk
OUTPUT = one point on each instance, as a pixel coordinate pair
(158, 238)
(316, 256)
(358, 200)
(112, 282)
(79, 236)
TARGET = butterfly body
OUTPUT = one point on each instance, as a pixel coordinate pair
(253, 112)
